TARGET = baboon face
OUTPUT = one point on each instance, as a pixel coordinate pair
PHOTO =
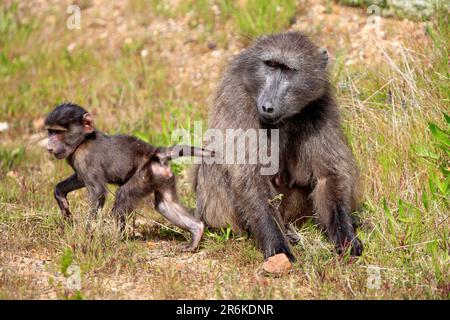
(284, 74)
(67, 126)
(59, 142)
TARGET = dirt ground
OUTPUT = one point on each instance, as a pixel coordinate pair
(151, 267)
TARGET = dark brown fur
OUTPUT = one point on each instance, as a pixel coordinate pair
(138, 168)
(281, 82)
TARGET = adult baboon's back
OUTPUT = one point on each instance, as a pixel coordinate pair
(281, 82)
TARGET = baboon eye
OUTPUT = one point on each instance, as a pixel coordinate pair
(271, 63)
(277, 65)
(54, 131)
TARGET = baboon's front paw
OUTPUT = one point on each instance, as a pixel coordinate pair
(282, 248)
(289, 254)
(357, 247)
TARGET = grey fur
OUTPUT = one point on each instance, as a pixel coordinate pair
(281, 81)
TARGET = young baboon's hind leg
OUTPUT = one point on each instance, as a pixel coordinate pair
(334, 215)
(166, 202)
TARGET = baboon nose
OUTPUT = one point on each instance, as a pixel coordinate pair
(50, 149)
(268, 108)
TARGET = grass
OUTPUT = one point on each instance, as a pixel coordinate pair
(217, 19)
(395, 115)
(399, 9)
(259, 17)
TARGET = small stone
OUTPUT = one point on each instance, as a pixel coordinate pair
(151, 245)
(144, 53)
(216, 54)
(71, 46)
(178, 267)
(277, 264)
(12, 174)
(4, 126)
(212, 45)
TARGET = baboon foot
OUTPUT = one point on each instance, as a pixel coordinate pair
(66, 220)
(190, 247)
(357, 247)
(282, 247)
(355, 244)
(197, 235)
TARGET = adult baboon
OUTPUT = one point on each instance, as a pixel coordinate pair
(281, 82)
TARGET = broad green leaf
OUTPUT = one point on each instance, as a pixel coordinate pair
(439, 134)
(447, 118)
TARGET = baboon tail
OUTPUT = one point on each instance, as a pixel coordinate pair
(178, 151)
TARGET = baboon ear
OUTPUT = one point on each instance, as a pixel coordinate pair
(88, 123)
(323, 53)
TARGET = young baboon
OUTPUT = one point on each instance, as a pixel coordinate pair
(138, 168)
(281, 82)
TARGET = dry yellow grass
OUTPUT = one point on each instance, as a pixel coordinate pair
(146, 67)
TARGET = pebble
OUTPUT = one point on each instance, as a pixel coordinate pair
(4, 126)
(277, 264)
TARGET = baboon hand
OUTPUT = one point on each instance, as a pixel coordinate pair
(355, 245)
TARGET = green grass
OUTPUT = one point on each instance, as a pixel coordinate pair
(395, 116)
(251, 18)
(259, 17)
